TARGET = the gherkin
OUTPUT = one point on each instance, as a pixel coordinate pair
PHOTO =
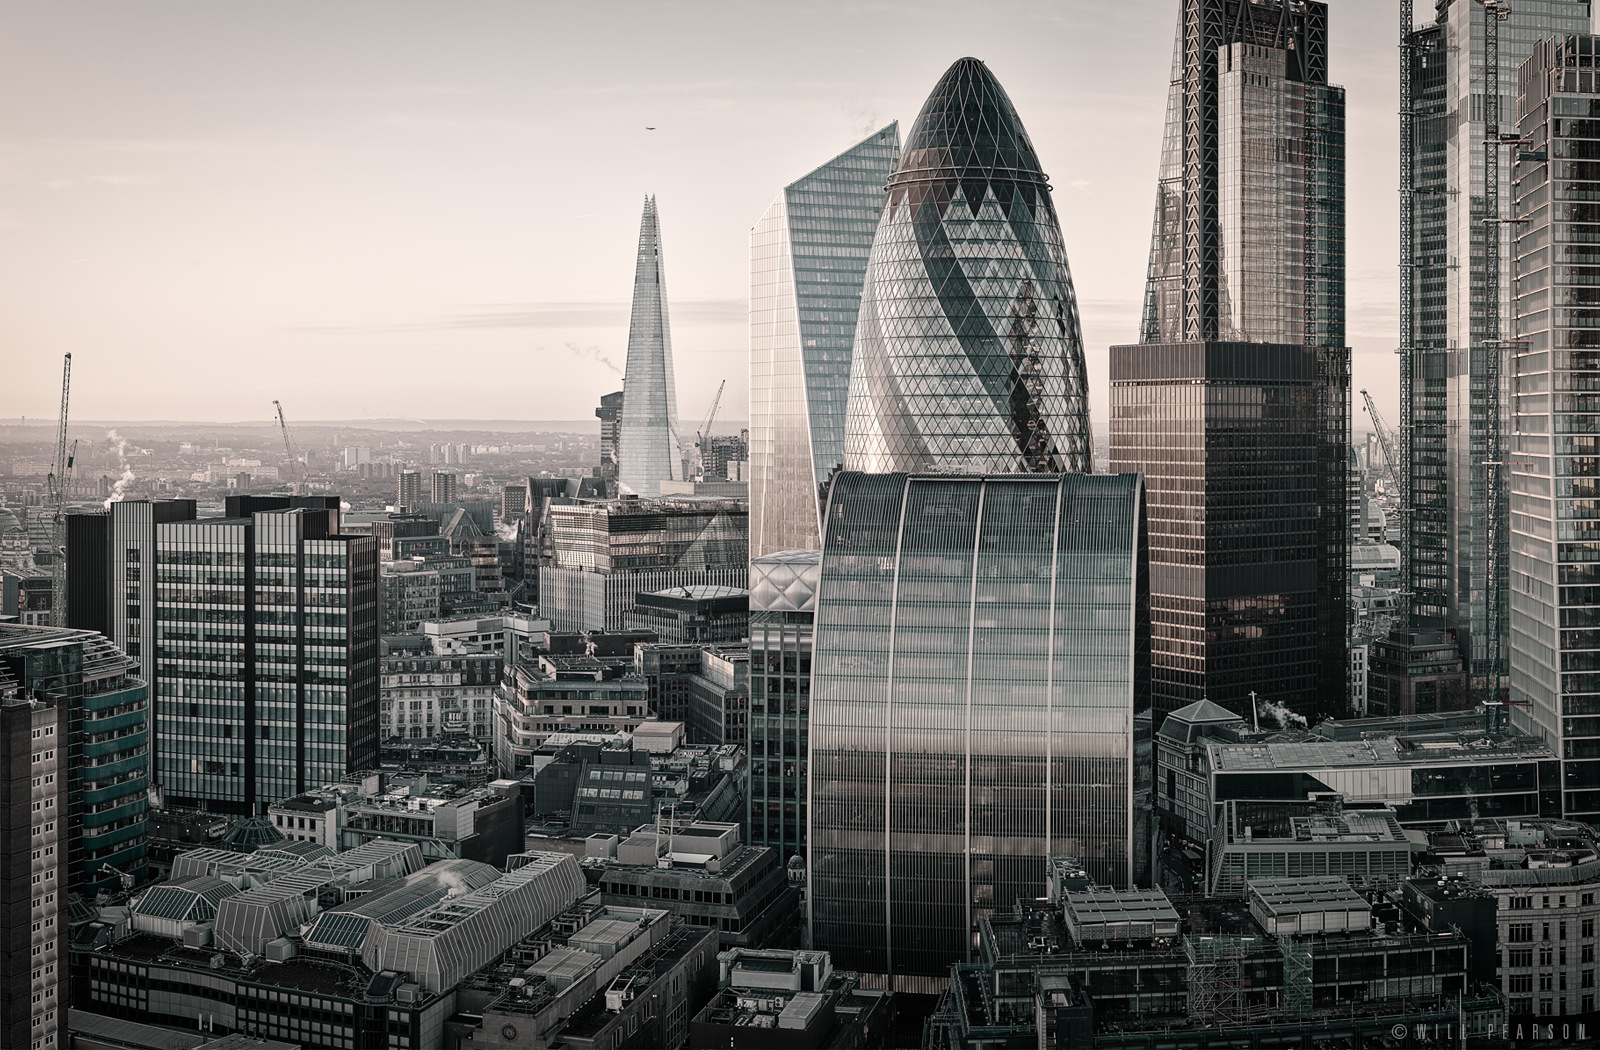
(968, 356)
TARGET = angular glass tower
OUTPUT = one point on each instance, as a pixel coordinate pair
(647, 433)
(980, 650)
(968, 356)
(808, 255)
(1235, 405)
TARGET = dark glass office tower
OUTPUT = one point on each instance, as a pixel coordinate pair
(1236, 404)
(968, 356)
(808, 257)
(266, 639)
(979, 654)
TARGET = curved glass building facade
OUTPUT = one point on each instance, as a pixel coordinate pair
(968, 356)
(647, 433)
(981, 645)
(808, 256)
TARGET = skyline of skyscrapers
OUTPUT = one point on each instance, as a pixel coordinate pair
(808, 256)
(1235, 405)
(648, 438)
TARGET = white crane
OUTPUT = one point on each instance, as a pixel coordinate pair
(704, 433)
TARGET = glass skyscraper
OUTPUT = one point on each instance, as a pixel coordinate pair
(808, 255)
(1449, 416)
(647, 433)
(1236, 403)
(266, 637)
(968, 356)
(783, 607)
(978, 660)
(1555, 475)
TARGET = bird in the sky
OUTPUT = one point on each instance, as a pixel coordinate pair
(648, 128)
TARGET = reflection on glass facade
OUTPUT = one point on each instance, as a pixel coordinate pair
(647, 433)
(1450, 398)
(266, 657)
(978, 663)
(968, 356)
(808, 255)
(1555, 472)
(783, 605)
(1236, 404)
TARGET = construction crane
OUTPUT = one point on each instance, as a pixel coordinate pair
(1494, 12)
(1391, 454)
(293, 452)
(57, 485)
(704, 434)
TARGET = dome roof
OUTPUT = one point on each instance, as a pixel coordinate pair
(250, 834)
(968, 128)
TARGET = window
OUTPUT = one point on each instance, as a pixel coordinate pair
(1520, 982)
(1519, 932)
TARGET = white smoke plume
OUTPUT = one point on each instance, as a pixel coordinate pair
(455, 885)
(120, 489)
(1285, 718)
(592, 353)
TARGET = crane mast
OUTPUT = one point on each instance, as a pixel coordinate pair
(705, 433)
(1391, 456)
(57, 486)
(290, 449)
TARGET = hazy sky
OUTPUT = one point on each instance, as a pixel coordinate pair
(430, 210)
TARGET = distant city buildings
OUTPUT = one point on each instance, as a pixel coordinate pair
(443, 486)
(610, 415)
(603, 553)
(808, 256)
(408, 489)
(1235, 404)
(648, 438)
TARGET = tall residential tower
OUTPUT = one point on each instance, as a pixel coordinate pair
(1235, 405)
(808, 255)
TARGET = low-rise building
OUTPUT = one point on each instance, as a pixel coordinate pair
(788, 1000)
(545, 694)
(448, 821)
(702, 872)
(1428, 767)
(703, 615)
(408, 594)
(707, 687)
(350, 950)
(424, 693)
(1263, 840)
(27, 594)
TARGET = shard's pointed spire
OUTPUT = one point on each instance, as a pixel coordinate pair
(968, 357)
(647, 445)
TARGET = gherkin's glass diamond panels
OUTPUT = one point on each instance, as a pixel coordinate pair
(968, 356)
(647, 435)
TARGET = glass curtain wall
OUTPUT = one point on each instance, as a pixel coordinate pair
(978, 662)
(648, 439)
(808, 255)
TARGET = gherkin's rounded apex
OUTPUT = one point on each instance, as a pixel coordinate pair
(968, 127)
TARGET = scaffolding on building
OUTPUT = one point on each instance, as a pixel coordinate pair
(1214, 975)
(1297, 999)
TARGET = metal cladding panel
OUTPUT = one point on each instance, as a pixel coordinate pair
(785, 581)
(980, 652)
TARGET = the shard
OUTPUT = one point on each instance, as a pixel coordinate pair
(968, 356)
(647, 435)
(808, 256)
